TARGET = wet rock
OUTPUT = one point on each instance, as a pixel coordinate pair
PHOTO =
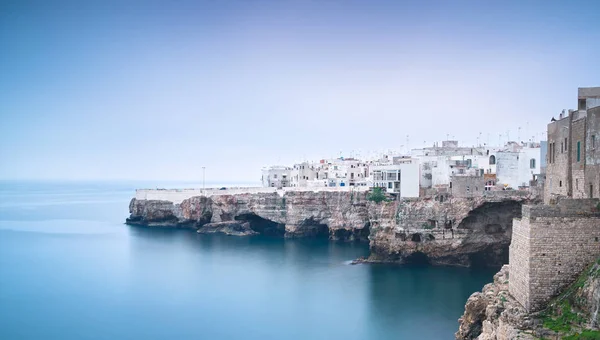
(228, 228)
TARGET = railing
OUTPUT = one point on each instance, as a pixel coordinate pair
(178, 195)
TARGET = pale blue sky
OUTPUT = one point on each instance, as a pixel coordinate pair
(158, 89)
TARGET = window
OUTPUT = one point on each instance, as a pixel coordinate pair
(565, 144)
(492, 160)
(577, 183)
(468, 189)
(560, 184)
(578, 151)
(593, 141)
(275, 176)
(390, 185)
(532, 163)
(562, 147)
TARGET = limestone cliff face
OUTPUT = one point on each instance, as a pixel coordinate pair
(337, 215)
(493, 314)
(454, 232)
(458, 231)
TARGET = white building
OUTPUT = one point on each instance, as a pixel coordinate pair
(516, 167)
(277, 176)
(402, 179)
(302, 173)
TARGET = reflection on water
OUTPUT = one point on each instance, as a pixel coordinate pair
(75, 271)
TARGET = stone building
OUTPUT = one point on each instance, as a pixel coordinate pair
(467, 186)
(592, 153)
(573, 158)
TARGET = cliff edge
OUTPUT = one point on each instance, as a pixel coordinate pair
(441, 230)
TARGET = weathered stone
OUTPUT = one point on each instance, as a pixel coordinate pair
(493, 314)
(457, 231)
(228, 228)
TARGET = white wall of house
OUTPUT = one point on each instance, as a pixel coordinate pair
(276, 176)
(407, 185)
(507, 169)
(409, 181)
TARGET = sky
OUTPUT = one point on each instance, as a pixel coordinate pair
(159, 89)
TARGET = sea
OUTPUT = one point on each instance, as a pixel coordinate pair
(71, 269)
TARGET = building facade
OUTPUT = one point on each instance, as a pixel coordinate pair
(573, 158)
(401, 179)
(276, 176)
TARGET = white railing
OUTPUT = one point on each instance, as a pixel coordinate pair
(178, 195)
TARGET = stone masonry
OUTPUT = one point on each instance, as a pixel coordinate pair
(550, 246)
(592, 153)
(573, 159)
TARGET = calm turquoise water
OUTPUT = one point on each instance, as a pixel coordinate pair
(70, 269)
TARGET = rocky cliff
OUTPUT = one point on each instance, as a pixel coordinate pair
(494, 315)
(453, 231)
(337, 215)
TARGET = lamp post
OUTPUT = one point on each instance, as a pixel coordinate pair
(203, 176)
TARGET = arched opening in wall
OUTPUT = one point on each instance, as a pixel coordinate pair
(261, 225)
(492, 160)
(417, 259)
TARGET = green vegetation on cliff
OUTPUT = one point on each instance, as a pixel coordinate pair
(569, 314)
(377, 195)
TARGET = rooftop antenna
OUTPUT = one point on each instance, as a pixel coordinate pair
(519, 134)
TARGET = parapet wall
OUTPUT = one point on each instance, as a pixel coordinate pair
(550, 246)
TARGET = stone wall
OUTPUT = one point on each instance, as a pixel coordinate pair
(557, 165)
(550, 246)
(592, 154)
(467, 186)
(578, 132)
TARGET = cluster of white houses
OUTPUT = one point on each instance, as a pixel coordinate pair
(464, 171)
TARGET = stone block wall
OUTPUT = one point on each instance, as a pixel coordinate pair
(557, 167)
(592, 153)
(550, 246)
(467, 186)
(578, 132)
(519, 260)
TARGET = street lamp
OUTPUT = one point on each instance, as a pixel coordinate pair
(203, 176)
